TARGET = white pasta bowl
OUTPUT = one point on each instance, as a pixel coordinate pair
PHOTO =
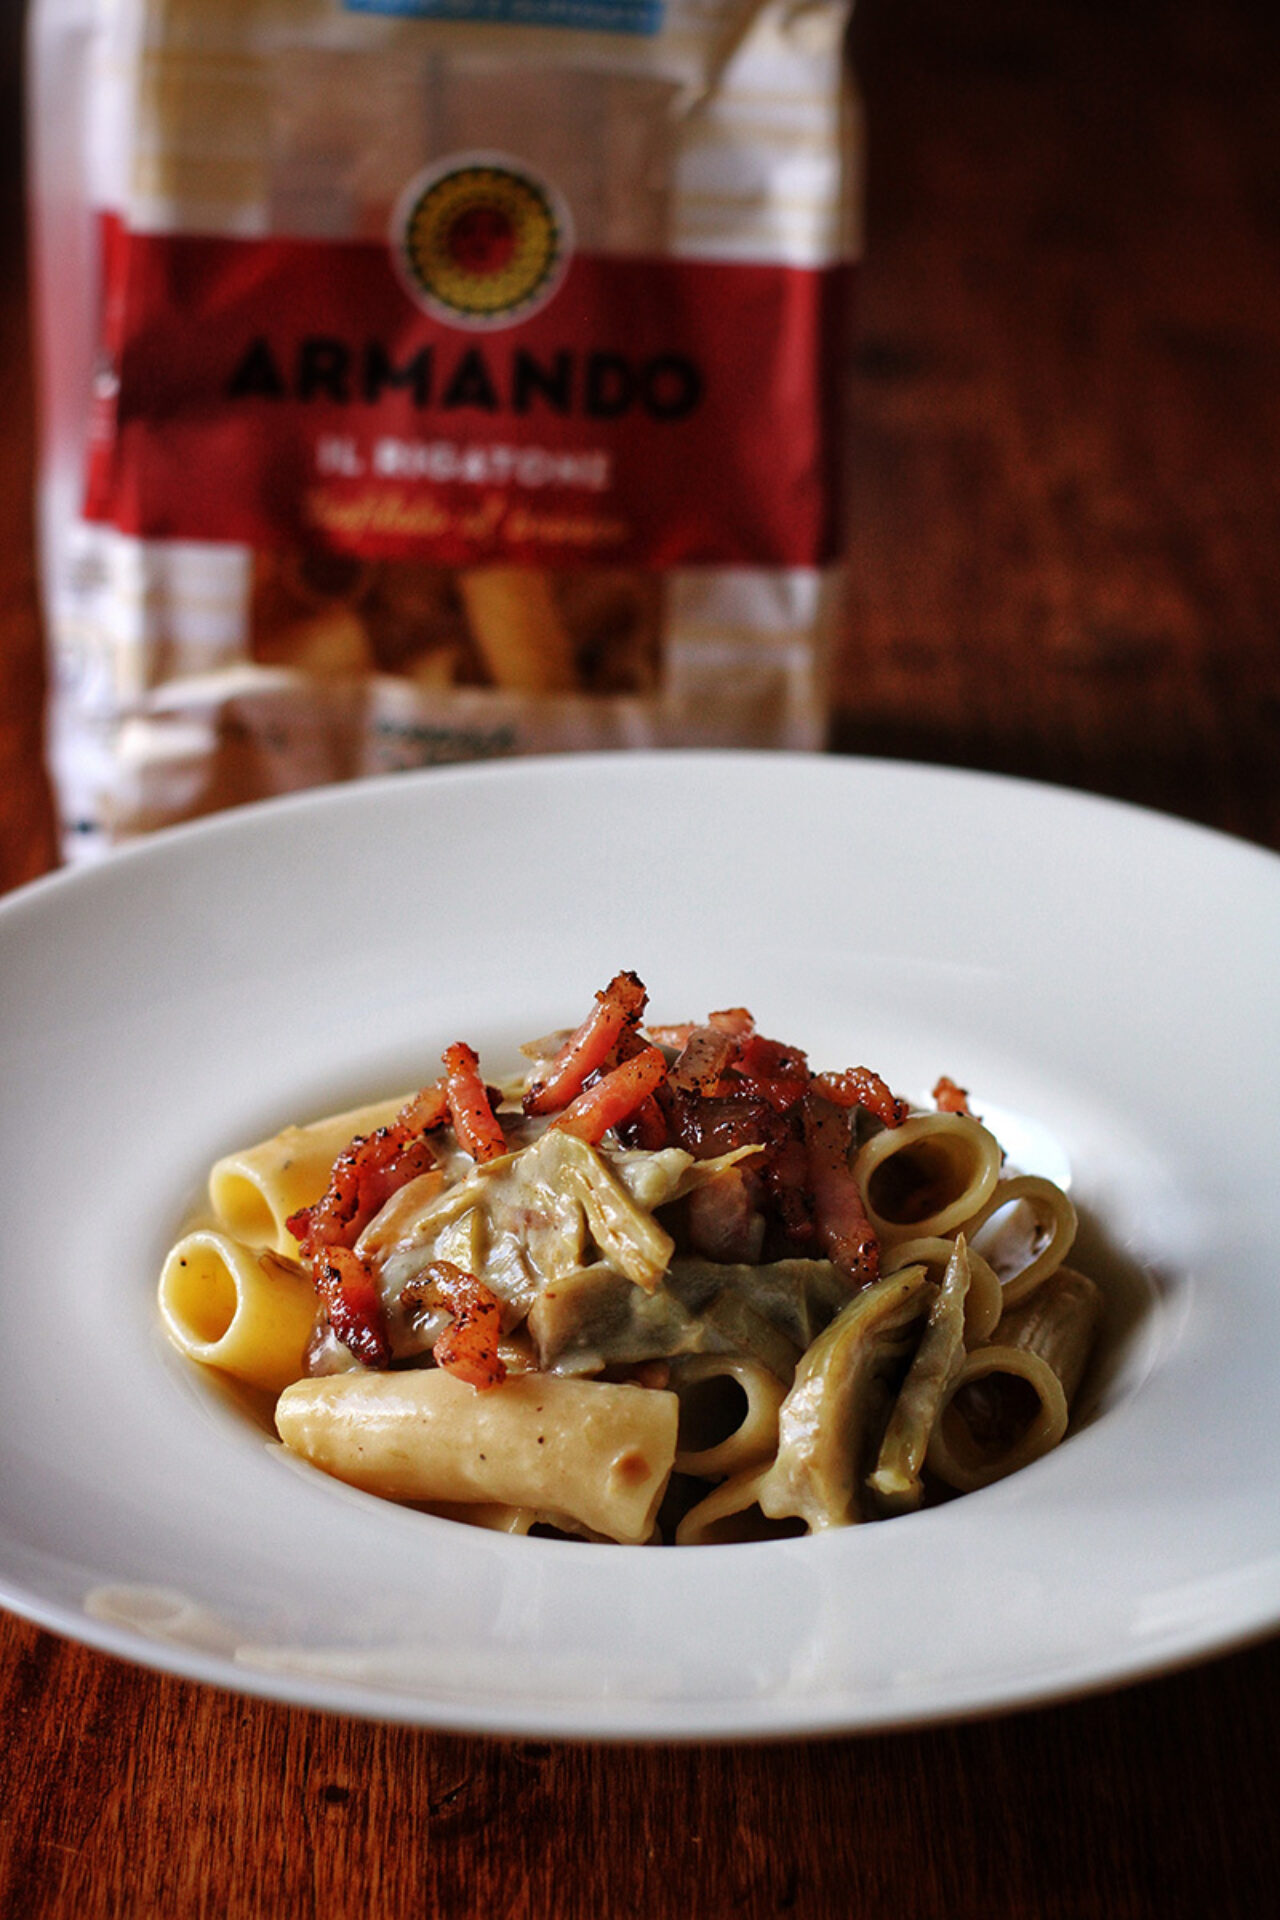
(1101, 978)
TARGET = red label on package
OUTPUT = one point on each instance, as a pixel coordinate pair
(654, 412)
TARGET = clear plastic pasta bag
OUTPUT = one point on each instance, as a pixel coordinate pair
(426, 380)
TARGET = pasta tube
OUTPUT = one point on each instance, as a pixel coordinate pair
(984, 1301)
(1052, 1231)
(928, 1176)
(519, 1520)
(232, 1308)
(728, 1414)
(731, 1512)
(518, 628)
(253, 1192)
(598, 1453)
(1010, 1403)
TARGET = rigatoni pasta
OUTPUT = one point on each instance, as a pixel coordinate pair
(254, 1192)
(235, 1309)
(667, 1284)
(1008, 1402)
(589, 1453)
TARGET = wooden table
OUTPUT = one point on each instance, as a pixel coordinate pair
(1066, 424)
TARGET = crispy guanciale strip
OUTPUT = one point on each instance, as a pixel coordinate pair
(733, 1020)
(785, 1170)
(618, 1008)
(779, 1073)
(704, 1058)
(477, 1126)
(860, 1087)
(647, 1126)
(364, 1177)
(426, 1111)
(949, 1098)
(469, 1347)
(708, 1125)
(844, 1232)
(673, 1034)
(353, 1304)
(614, 1097)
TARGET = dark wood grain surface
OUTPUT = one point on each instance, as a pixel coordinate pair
(1066, 436)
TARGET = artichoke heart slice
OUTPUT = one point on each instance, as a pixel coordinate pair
(799, 1297)
(938, 1359)
(628, 1237)
(595, 1318)
(654, 1178)
(832, 1422)
(533, 1217)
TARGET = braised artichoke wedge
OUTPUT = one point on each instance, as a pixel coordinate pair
(832, 1423)
(896, 1481)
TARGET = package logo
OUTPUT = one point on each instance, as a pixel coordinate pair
(481, 241)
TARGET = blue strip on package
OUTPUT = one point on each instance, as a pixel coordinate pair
(584, 16)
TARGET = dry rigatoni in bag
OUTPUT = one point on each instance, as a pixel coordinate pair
(426, 382)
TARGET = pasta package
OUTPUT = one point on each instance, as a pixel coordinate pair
(433, 380)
